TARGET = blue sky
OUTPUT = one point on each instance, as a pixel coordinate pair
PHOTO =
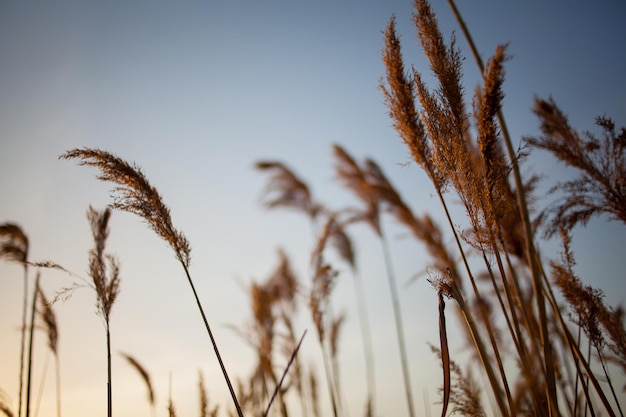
(196, 92)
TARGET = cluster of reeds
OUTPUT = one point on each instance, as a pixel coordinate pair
(534, 360)
(482, 171)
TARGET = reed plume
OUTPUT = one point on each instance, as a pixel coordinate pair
(285, 189)
(273, 301)
(400, 97)
(424, 229)
(590, 312)
(354, 178)
(104, 272)
(134, 194)
(457, 159)
(600, 187)
(145, 376)
(14, 247)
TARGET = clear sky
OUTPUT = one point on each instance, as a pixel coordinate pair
(195, 92)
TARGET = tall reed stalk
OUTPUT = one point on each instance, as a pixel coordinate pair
(31, 342)
(104, 272)
(355, 179)
(14, 247)
(134, 194)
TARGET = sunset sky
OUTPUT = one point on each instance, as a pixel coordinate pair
(195, 92)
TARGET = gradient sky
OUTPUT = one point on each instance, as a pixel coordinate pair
(195, 92)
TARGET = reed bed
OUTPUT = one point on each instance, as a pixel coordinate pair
(541, 341)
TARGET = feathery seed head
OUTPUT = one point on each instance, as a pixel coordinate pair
(49, 318)
(134, 194)
(13, 243)
(285, 189)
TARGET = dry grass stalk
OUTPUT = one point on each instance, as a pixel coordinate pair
(445, 355)
(278, 387)
(324, 278)
(530, 251)
(343, 245)
(145, 376)
(290, 345)
(31, 343)
(589, 311)
(135, 194)
(445, 133)
(355, 178)
(104, 272)
(14, 247)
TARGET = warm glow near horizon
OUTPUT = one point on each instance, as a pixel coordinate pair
(196, 93)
